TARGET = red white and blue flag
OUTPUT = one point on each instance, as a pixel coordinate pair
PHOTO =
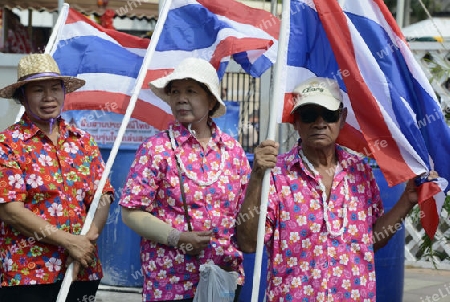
(393, 113)
(110, 61)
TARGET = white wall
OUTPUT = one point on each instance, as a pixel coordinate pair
(8, 75)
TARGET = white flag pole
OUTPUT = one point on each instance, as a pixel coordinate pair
(275, 109)
(123, 127)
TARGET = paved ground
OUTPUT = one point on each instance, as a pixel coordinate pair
(421, 285)
(426, 285)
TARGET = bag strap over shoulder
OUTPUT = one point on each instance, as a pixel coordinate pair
(183, 194)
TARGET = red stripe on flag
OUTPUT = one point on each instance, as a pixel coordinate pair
(117, 103)
(287, 108)
(153, 74)
(151, 114)
(368, 113)
(124, 39)
(244, 14)
(429, 217)
(349, 136)
(232, 45)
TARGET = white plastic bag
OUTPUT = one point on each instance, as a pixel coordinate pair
(215, 284)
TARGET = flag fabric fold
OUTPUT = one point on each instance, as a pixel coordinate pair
(215, 31)
(393, 113)
(110, 60)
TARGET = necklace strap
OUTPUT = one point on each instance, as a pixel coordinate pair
(325, 199)
(183, 193)
(212, 177)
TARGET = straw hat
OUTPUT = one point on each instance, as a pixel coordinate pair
(192, 68)
(38, 67)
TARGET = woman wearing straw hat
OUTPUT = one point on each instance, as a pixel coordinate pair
(49, 171)
(182, 191)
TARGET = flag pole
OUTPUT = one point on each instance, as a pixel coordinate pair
(123, 127)
(275, 110)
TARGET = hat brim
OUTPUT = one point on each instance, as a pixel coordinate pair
(71, 84)
(158, 87)
(324, 101)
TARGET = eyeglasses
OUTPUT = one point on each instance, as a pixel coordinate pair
(310, 115)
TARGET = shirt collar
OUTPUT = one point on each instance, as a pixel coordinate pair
(182, 134)
(30, 130)
(345, 159)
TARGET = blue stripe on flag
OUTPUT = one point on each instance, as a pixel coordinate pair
(188, 28)
(391, 61)
(92, 54)
(254, 69)
(308, 44)
(403, 84)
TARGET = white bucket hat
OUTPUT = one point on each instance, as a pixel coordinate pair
(38, 67)
(324, 92)
(192, 68)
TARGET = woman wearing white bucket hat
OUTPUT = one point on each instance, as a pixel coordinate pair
(182, 191)
(49, 172)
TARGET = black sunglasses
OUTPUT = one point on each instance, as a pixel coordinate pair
(310, 115)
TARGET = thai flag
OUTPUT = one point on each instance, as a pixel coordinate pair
(110, 61)
(394, 115)
(215, 30)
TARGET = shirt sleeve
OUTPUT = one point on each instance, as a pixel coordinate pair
(244, 175)
(142, 183)
(12, 184)
(272, 210)
(375, 204)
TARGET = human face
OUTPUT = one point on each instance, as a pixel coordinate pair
(189, 101)
(44, 99)
(318, 127)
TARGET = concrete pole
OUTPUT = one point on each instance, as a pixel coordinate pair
(60, 5)
(161, 2)
(400, 16)
(274, 7)
(407, 20)
(55, 15)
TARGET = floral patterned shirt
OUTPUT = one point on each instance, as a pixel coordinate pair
(308, 263)
(57, 183)
(153, 186)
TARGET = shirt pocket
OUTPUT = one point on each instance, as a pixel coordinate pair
(359, 225)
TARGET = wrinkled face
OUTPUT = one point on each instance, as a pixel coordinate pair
(44, 98)
(189, 101)
(317, 126)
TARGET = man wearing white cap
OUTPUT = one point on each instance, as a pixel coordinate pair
(324, 207)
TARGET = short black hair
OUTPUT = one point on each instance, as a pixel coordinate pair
(18, 95)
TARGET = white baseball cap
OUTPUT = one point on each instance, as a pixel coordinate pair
(324, 92)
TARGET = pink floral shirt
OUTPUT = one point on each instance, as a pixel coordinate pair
(306, 262)
(55, 182)
(153, 185)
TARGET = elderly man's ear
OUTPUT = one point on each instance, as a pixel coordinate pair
(343, 118)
